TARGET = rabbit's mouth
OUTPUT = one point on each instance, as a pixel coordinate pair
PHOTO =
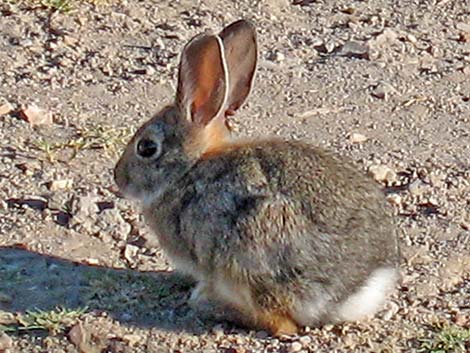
(131, 193)
(135, 194)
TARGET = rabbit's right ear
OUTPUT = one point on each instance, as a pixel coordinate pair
(241, 55)
(202, 82)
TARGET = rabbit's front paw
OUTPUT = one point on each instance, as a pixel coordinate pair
(199, 295)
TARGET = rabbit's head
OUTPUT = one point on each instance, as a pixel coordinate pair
(215, 77)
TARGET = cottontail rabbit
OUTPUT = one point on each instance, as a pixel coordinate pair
(285, 233)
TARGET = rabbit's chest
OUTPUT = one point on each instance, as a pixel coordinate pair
(180, 225)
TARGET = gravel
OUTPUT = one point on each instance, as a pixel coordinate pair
(386, 83)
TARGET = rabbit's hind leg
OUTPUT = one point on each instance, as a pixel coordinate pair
(276, 322)
(248, 313)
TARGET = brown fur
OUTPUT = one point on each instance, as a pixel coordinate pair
(278, 323)
(203, 139)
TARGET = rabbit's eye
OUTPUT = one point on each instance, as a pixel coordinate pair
(147, 148)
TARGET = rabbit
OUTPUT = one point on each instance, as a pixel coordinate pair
(283, 233)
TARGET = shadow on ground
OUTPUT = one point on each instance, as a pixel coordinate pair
(30, 281)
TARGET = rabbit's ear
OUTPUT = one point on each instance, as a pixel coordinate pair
(202, 81)
(240, 48)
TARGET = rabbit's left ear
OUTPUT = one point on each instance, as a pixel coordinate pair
(241, 55)
(202, 81)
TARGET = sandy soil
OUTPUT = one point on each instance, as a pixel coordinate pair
(386, 83)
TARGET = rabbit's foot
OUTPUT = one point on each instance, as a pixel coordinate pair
(279, 324)
(199, 295)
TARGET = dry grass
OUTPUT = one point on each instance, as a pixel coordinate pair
(53, 321)
(87, 138)
(63, 6)
(447, 339)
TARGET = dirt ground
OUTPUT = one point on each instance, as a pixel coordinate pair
(386, 83)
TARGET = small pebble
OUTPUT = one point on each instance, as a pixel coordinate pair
(36, 116)
(262, 335)
(60, 184)
(382, 173)
(353, 49)
(5, 342)
(6, 109)
(394, 199)
(305, 341)
(130, 252)
(383, 90)
(357, 138)
(133, 339)
(295, 347)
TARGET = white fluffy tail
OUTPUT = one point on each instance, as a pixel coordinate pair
(365, 302)
(370, 297)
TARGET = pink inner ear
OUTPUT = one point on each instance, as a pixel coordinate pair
(209, 80)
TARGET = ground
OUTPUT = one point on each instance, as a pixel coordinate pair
(386, 83)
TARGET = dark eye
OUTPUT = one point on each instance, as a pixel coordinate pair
(147, 148)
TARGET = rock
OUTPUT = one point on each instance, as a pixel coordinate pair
(357, 138)
(29, 167)
(411, 38)
(348, 10)
(426, 289)
(81, 338)
(454, 270)
(462, 319)
(295, 347)
(77, 335)
(5, 342)
(330, 46)
(280, 57)
(428, 63)
(319, 45)
(262, 335)
(149, 70)
(464, 37)
(302, 2)
(388, 36)
(382, 173)
(353, 49)
(390, 311)
(84, 213)
(6, 108)
(394, 199)
(111, 222)
(305, 341)
(416, 188)
(66, 62)
(7, 318)
(133, 339)
(32, 201)
(70, 40)
(85, 207)
(276, 56)
(92, 261)
(60, 184)
(462, 26)
(383, 90)
(36, 116)
(130, 252)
